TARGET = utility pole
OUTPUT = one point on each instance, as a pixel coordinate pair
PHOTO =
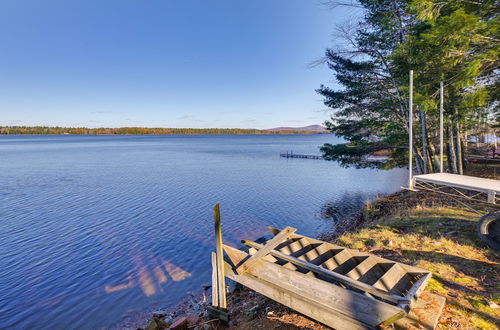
(441, 106)
(410, 133)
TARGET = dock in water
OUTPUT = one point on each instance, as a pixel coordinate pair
(292, 155)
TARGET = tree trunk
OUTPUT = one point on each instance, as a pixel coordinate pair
(424, 139)
(495, 142)
(464, 163)
(448, 158)
(459, 158)
(451, 150)
(418, 160)
(435, 158)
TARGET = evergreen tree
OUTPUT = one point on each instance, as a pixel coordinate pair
(452, 41)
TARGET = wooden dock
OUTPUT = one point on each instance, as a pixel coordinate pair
(292, 155)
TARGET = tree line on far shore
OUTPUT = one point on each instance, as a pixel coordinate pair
(45, 130)
(451, 41)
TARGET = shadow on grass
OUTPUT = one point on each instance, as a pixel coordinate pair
(483, 315)
(469, 267)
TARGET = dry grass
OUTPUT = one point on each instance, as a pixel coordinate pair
(444, 241)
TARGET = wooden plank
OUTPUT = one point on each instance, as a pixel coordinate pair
(265, 249)
(424, 314)
(419, 286)
(215, 283)
(301, 304)
(326, 259)
(349, 304)
(408, 268)
(336, 276)
(362, 268)
(297, 248)
(221, 287)
(312, 253)
(390, 278)
(346, 262)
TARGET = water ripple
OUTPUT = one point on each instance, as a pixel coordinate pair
(96, 227)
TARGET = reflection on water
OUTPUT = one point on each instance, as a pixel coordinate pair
(98, 227)
(149, 280)
(345, 205)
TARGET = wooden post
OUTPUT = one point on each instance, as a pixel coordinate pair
(410, 134)
(441, 128)
(215, 283)
(221, 285)
(218, 309)
(266, 249)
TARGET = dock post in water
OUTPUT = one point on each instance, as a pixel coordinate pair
(219, 304)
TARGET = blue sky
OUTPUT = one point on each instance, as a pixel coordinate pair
(164, 63)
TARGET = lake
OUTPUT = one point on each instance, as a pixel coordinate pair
(95, 228)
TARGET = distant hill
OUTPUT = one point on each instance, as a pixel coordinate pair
(310, 128)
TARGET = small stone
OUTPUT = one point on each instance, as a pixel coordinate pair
(159, 313)
(388, 242)
(252, 312)
(180, 323)
(370, 242)
(233, 287)
(153, 325)
(192, 319)
(271, 313)
(493, 305)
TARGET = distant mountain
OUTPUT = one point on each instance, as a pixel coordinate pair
(310, 128)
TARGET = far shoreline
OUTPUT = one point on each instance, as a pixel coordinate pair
(46, 130)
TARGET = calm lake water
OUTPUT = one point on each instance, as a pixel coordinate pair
(94, 228)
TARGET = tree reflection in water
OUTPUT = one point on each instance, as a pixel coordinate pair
(345, 211)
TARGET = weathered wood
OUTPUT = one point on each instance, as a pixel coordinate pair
(221, 288)
(362, 268)
(301, 304)
(336, 276)
(340, 287)
(419, 286)
(215, 282)
(218, 313)
(268, 247)
(424, 314)
(294, 247)
(327, 303)
(390, 278)
(354, 253)
(292, 155)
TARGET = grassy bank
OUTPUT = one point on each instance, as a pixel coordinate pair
(406, 227)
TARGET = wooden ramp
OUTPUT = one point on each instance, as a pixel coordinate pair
(339, 287)
(464, 186)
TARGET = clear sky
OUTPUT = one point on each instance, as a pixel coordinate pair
(164, 63)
